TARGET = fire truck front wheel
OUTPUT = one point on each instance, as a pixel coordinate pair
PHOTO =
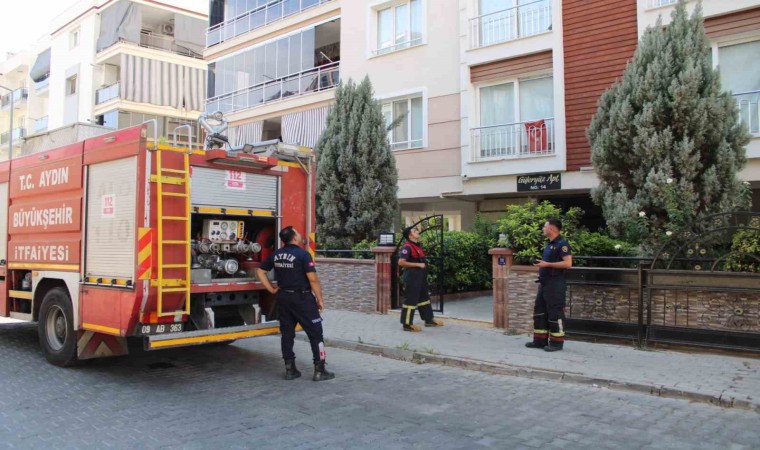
(56, 328)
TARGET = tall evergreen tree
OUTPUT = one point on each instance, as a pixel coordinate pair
(666, 141)
(357, 180)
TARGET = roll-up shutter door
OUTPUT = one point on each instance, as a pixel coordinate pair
(4, 220)
(232, 189)
(111, 212)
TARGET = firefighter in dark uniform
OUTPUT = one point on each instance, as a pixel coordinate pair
(299, 301)
(416, 296)
(549, 310)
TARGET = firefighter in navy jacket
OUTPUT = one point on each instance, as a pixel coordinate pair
(549, 309)
(416, 296)
(299, 301)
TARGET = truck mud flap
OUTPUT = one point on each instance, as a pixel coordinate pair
(188, 338)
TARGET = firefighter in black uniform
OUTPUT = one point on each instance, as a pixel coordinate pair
(299, 301)
(549, 310)
(412, 259)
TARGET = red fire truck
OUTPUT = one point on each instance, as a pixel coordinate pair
(117, 237)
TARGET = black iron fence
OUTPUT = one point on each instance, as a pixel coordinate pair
(710, 309)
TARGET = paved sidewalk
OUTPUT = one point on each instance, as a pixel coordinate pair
(730, 381)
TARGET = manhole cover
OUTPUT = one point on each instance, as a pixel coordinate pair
(161, 365)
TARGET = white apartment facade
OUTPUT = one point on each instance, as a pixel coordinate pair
(497, 93)
(118, 63)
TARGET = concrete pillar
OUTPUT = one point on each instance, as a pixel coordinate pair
(383, 278)
(502, 260)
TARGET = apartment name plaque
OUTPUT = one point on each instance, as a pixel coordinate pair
(539, 182)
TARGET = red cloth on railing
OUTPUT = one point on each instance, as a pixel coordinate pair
(538, 140)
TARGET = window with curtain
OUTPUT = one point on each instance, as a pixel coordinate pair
(408, 132)
(512, 127)
(399, 27)
(739, 67)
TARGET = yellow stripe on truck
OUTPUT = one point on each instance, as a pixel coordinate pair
(214, 338)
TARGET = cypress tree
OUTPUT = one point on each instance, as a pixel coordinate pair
(666, 140)
(357, 180)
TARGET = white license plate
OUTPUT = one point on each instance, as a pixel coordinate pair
(161, 328)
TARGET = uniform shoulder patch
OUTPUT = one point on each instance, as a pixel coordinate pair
(311, 263)
(404, 251)
(564, 248)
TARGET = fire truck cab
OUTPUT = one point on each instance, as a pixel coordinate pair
(118, 237)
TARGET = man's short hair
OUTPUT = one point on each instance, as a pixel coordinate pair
(556, 222)
(407, 231)
(287, 234)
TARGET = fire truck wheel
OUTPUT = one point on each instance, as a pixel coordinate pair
(56, 328)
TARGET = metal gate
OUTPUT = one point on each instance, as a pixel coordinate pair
(697, 290)
(431, 236)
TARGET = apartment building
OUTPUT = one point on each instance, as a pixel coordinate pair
(113, 64)
(496, 94)
(16, 91)
(532, 72)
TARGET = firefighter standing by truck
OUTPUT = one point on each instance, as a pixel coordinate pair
(549, 309)
(299, 301)
(412, 260)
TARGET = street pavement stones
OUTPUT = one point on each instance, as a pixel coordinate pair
(218, 397)
(730, 381)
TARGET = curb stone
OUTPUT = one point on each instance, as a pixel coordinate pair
(415, 356)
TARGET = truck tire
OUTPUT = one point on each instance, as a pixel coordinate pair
(56, 328)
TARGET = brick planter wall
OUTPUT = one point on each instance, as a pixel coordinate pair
(348, 284)
(521, 295)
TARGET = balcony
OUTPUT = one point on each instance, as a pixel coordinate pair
(107, 93)
(511, 24)
(748, 110)
(651, 4)
(18, 134)
(42, 85)
(257, 18)
(19, 95)
(40, 125)
(158, 42)
(515, 140)
(166, 43)
(309, 81)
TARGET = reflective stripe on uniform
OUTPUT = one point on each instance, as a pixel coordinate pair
(423, 303)
(535, 331)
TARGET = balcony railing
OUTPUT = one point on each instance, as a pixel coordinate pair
(510, 24)
(40, 124)
(515, 140)
(167, 43)
(312, 80)
(19, 95)
(18, 134)
(748, 110)
(659, 3)
(107, 93)
(257, 18)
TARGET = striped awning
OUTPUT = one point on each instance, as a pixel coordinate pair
(304, 127)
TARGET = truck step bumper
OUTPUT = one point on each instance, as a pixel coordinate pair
(157, 342)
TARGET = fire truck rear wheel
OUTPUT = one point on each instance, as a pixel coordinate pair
(56, 328)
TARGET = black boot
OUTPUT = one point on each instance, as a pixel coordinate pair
(320, 373)
(554, 346)
(536, 344)
(291, 373)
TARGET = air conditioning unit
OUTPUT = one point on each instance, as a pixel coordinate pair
(167, 28)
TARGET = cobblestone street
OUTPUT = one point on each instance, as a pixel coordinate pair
(233, 397)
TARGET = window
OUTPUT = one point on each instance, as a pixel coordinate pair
(408, 115)
(71, 85)
(74, 38)
(399, 27)
(506, 20)
(739, 66)
(516, 118)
